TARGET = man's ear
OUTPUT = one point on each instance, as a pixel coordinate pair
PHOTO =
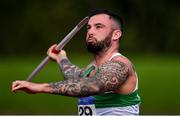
(116, 34)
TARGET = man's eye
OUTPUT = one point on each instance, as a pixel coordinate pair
(98, 27)
(88, 27)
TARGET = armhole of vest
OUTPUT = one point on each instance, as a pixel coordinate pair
(119, 55)
(88, 67)
(136, 87)
(115, 55)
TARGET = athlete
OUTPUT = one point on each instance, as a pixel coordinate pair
(108, 85)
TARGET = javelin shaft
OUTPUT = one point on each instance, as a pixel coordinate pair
(59, 47)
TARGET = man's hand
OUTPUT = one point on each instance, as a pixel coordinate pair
(29, 87)
(56, 56)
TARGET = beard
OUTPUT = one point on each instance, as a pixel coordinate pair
(99, 46)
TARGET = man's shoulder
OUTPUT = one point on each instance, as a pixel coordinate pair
(123, 59)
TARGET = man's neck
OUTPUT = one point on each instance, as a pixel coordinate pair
(102, 57)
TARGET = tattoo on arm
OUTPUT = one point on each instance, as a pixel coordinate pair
(111, 75)
(69, 70)
(75, 87)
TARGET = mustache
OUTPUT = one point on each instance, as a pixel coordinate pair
(91, 37)
(91, 40)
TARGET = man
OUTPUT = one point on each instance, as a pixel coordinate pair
(108, 85)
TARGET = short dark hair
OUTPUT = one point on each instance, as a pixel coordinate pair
(112, 15)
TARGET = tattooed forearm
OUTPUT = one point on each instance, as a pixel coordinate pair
(69, 70)
(76, 87)
(111, 75)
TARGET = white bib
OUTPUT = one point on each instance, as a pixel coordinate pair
(86, 110)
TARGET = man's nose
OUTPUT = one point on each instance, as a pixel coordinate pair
(90, 35)
(91, 31)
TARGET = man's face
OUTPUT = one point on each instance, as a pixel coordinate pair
(99, 33)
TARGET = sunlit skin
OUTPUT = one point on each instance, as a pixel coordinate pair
(117, 75)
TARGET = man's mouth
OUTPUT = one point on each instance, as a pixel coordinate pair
(91, 40)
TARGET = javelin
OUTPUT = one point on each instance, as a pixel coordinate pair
(59, 47)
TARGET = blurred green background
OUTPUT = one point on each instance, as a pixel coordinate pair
(150, 41)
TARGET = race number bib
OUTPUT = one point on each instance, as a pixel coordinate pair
(86, 110)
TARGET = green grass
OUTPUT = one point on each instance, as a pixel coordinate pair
(159, 85)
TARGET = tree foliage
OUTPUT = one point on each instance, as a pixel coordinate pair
(31, 26)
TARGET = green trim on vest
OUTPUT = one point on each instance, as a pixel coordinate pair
(88, 71)
(116, 100)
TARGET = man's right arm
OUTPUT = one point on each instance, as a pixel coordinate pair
(111, 76)
(69, 70)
